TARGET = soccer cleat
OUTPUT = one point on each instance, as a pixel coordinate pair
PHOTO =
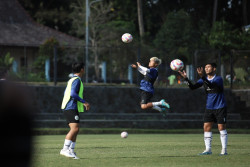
(221, 154)
(164, 104)
(66, 153)
(205, 153)
(223, 151)
(74, 154)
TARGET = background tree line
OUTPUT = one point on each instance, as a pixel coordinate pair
(163, 28)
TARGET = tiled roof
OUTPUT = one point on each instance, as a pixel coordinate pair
(18, 29)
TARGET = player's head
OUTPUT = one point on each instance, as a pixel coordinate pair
(210, 68)
(154, 62)
(78, 67)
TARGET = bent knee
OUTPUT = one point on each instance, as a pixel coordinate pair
(143, 106)
(75, 129)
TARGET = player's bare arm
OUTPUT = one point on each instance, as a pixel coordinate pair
(133, 66)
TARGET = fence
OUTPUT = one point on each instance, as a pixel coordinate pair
(112, 64)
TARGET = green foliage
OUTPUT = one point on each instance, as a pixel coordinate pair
(6, 61)
(177, 35)
(224, 36)
(241, 74)
(47, 49)
(245, 38)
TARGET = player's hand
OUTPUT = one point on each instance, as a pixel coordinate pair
(200, 71)
(86, 105)
(133, 66)
(183, 73)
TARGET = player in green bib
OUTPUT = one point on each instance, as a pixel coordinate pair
(72, 104)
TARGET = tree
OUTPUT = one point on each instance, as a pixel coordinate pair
(140, 18)
(215, 11)
(51, 13)
(224, 36)
(177, 36)
(100, 15)
(244, 12)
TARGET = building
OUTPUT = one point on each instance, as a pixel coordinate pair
(21, 36)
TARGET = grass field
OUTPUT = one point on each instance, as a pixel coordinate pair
(141, 150)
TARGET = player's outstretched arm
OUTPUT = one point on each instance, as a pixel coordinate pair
(183, 74)
(189, 83)
(134, 66)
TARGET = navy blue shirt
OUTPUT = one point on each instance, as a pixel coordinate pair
(147, 84)
(214, 90)
(74, 97)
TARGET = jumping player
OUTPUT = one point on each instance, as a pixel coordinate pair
(216, 111)
(72, 104)
(147, 86)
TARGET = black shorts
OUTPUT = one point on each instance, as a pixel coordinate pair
(72, 116)
(145, 97)
(218, 116)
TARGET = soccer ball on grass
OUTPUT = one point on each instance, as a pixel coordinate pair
(124, 134)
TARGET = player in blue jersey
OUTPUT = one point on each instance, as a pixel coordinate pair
(216, 108)
(72, 104)
(147, 86)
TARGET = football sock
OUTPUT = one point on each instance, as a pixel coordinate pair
(223, 139)
(156, 103)
(208, 140)
(157, 108)
(72, 146)
(67, 143)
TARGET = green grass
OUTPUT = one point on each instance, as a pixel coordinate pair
(141, 150)
(62, 131)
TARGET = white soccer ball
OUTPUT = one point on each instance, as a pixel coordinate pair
(127, 38)
(176, 65)
(124, 134)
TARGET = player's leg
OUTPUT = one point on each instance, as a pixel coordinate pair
(207, 127)
(161, 103)
(74, 130)
(223, 138)
(72, 118)
(145, 98)
(208, 136)
(222, 117)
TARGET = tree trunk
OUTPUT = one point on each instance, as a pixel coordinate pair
(97, 71)
(140, 18)
(244, 12)
(215, 11)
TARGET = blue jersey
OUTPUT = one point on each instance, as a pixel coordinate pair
(147, 84)
(214, 91)
(74, 97)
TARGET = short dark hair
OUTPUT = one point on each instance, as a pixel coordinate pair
(76, 67)
(212, 64)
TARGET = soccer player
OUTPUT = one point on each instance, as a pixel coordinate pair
(147, 86)
(72, 104)
(216, 111)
